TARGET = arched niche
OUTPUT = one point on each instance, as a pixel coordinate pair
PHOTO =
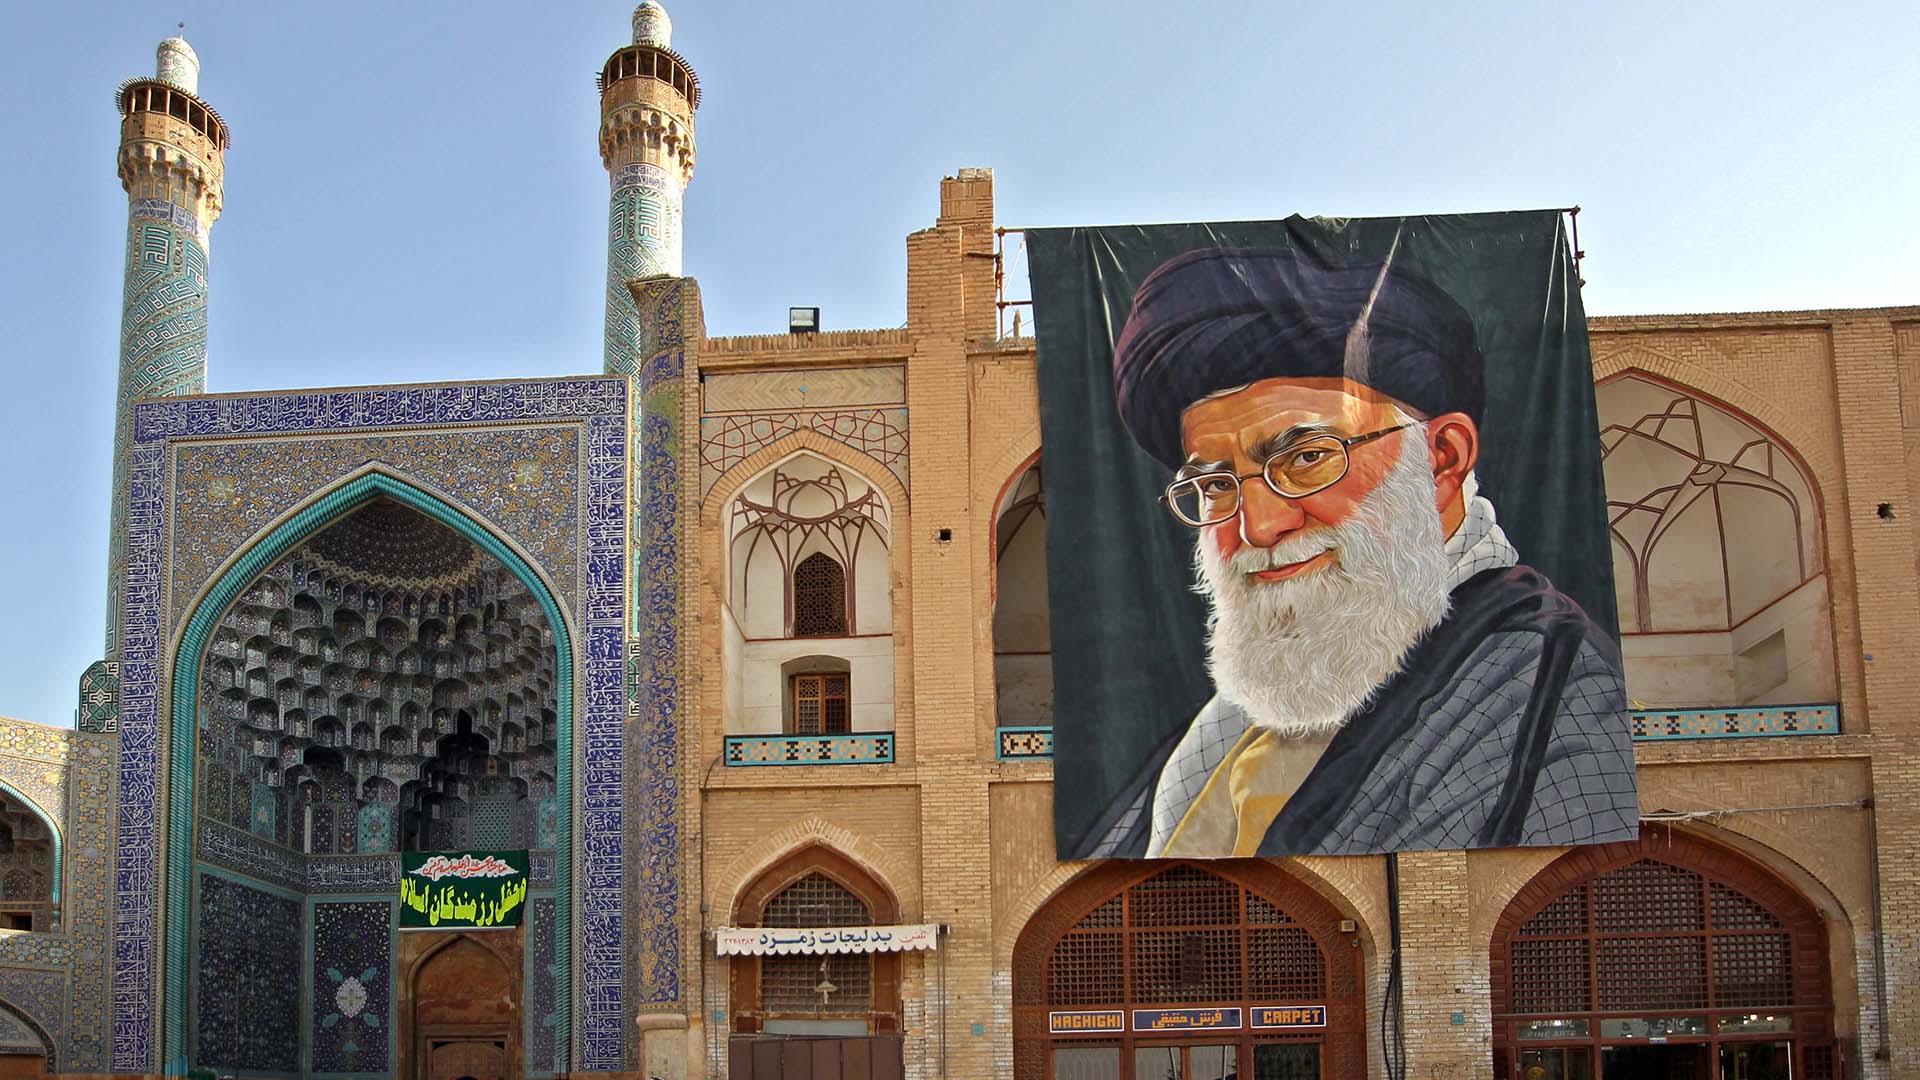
(29, 865)
(1718, 552)
(809, 572)
(1022, 633)
(372, 690)
(26, 1050)
(462, 1003)
(814, 887)
(1226, 934)
(404, 672)
(1667, 939)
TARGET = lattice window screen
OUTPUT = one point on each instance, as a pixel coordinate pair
(819, 598)
(821, 704)
(835, 985)
(1185, 936)
(1659, 937)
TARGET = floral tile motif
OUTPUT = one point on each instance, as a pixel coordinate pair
(542, 1019)
(229, 491)
(352, 990)
(588, 552)
(247, 993)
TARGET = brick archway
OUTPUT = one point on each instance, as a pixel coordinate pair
(1262, 938)
(748, 1010)
(1688, 939)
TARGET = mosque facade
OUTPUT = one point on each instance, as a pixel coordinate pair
(744, 642)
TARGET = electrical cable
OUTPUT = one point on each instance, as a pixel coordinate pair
(1393, 1034)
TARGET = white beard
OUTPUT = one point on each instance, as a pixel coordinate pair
(1303, 654)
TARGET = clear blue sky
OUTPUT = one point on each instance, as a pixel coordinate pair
(414, 193)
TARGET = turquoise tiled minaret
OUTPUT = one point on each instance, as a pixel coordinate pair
(171, 163)
(648, 95)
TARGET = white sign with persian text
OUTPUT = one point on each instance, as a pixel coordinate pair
(788, 941)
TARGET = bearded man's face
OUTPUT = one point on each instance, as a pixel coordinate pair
(1316, 600)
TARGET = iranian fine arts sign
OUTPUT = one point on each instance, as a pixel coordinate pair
(462, 890)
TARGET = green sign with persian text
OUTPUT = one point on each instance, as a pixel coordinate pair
(462, 890)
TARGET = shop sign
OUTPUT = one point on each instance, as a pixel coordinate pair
(788, 941)
(1185, 1019)
(1086, 1021)
(1286, 1017)
(462, 890)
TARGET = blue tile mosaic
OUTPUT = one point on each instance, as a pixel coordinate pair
(352, 988)
(599, 407)
(247, 990)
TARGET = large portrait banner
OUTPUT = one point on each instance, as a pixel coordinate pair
(1327, 549)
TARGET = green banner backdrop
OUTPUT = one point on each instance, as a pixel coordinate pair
(462, 890)
(1475, 315)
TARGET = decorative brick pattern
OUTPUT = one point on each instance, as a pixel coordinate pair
(726, 441)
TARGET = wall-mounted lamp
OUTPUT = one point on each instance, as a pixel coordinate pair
(803, 320)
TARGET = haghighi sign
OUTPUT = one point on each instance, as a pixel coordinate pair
(1082, 1021)
(462, 890)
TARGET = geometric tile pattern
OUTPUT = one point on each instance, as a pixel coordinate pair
(1649, 725)
(653, 968)
(643, 240)
(248, 985)
(1018, 743)
(597, 409)
(163, 344)
(540, 1014)
(1656, 725)
(16, 1037)
(69, 775)
(866, 748)
(40, 995)
(99, 697)
(352, 990)
(86, 901)
(726, 441)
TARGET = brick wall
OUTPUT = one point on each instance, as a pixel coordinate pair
(966, 840)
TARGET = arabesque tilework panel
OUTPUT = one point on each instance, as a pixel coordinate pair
(392, 428)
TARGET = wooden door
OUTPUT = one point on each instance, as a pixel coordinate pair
(467, 1059)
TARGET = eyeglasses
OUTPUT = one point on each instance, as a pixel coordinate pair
(1294, 471)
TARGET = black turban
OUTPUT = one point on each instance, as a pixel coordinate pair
(1220, 318)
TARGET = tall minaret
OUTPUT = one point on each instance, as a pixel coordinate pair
(647, 98)
(172, 151)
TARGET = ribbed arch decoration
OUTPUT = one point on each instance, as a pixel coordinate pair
(189, 659)
(1189, 940)
(1668, 941)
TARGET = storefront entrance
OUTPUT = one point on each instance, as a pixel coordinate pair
(1190, 972)
(1685, 1061)
(1669, 958)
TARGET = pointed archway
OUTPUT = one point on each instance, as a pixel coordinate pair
(344, 502)
(1669, 952)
